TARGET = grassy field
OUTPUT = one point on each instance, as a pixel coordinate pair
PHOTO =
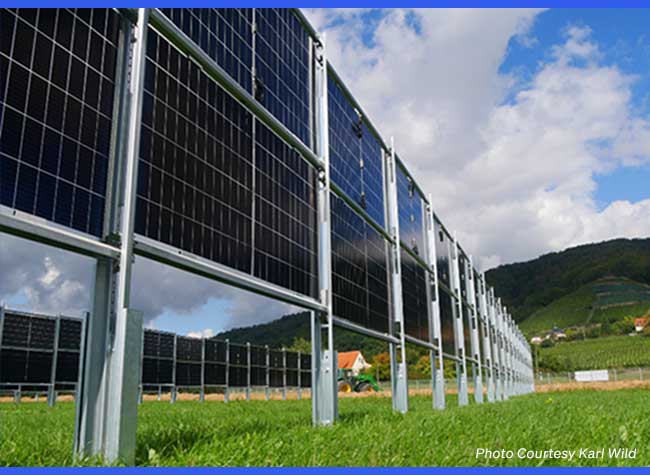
(597, 353)
(279, 433)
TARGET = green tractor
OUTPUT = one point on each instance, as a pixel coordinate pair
(362, 383)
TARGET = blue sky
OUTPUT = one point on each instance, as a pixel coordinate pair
(448, 75)
(624, 39)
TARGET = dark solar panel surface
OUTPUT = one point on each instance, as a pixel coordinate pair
(57, 83)
(411, 228)
(359, 269)
(414, 297)
(224, 34)
(282, 68)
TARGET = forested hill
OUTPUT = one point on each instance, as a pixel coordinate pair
(526, 287)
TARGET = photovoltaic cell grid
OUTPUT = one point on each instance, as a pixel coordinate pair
(344, 133)
(57, 83)
(27, 349)
(372, 175)
(414, 297)
(282, 68)
(224, 34)
(158, 358)
(215, 362)
(195, 172)
(409, 205)
(188, 361)
(197, 169)
(285, 215)
(359, 269)
(356, 163)
(447, 315)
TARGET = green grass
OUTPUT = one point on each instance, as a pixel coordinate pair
(597, 353)
(276, 433)
(614, 314)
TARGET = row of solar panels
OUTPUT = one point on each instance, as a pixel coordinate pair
(213, 180)
(34, 347)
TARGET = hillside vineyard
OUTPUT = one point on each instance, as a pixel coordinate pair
(223, 143)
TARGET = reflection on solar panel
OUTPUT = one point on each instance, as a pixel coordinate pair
(56, 112)
(198, 170)
(443, 250)
(225, 34)
(359, 269)
(356, 163)
(447, 315)
(414, 297)
(409, 203)
(282, 68)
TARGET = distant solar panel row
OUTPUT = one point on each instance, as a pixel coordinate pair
(28, 347)
(58, 70)
(29, 353)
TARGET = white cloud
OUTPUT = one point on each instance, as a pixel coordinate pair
(515, 178)
(205, 333)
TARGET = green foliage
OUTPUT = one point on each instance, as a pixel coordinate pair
(529, 286)
(646, 331)
(624, 326)
(369, 433)
(548, 343)
(301, 345)
(598, 353)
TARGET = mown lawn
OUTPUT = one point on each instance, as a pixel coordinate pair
(279, 433)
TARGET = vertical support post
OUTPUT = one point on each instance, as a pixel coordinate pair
(502, 351)
(2, 325)
(284, 374)
(248, 371)
(107, 410)
(461, 362)
(324, 392)
(51, 390)
(267, 389)
(202, 394)
(487, 345)
(226, 392)
(299, 390)
(172, 395)
(472, 296)
(435, 333)
(399, 376)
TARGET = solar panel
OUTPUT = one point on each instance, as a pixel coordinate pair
(462, 270)
(237, 376)
(198, 166)
(447, 315)
(70, 334)
(443, 250)
(15, 330)
(372, 175)
(356, 157)
(215, 374)
(67, 366)
(292, 378)
(409, 205)
(414, 297)
(282, 68)
(215, 350)
(467, 331)
(276, 378)
(188, 349)
(258, 376)
(359, 269)
(56, 107)
(285, 215)
(224, 34)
